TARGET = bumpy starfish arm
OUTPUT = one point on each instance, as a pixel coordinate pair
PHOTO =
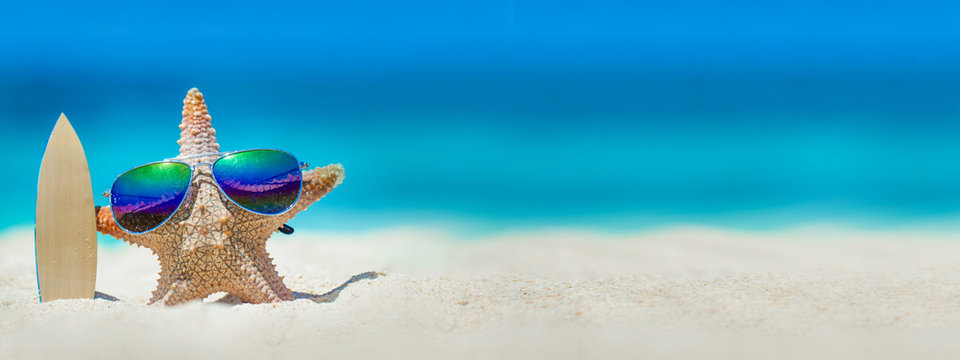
(108, 226)
(316, 183)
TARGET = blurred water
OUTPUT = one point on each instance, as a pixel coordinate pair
(483, 116)
(492, 150)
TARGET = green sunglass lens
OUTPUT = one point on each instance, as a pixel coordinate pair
(146, 196)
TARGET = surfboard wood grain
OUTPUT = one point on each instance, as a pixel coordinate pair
(66, 230)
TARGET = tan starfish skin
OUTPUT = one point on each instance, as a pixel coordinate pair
(210, 244)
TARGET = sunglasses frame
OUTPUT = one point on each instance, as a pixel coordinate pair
(220, 155)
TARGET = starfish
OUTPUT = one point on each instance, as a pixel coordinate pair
(210, 244)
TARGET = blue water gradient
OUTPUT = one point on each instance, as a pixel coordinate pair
(503, 114)
(506, 155)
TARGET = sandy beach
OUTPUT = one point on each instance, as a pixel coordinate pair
(677, 293)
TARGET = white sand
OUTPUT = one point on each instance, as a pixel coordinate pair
(673, 294)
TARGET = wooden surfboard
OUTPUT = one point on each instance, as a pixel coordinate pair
(66, 232)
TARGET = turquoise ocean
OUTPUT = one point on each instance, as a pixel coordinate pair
(622, 118)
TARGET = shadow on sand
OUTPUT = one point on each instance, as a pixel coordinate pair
(328, 297)
(331, 296)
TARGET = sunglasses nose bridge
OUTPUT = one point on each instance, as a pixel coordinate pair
(209, 167)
